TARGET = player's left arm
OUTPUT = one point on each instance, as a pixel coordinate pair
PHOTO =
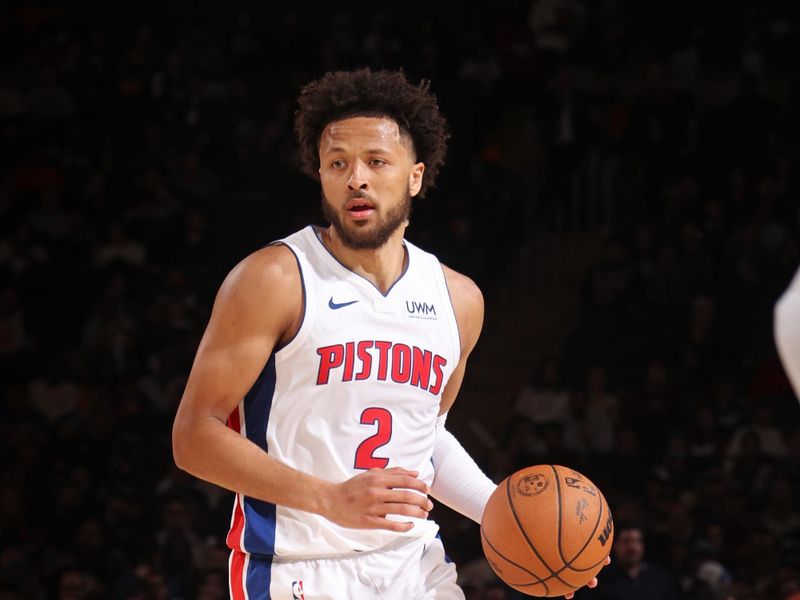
(458, 481)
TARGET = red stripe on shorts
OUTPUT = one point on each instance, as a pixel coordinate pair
(234, 539)
(236, 579)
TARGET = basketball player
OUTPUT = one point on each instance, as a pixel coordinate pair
(787, 331)
(321, 385)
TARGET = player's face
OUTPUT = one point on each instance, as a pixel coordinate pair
(369, 175)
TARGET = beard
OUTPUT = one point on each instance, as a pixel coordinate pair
(357, 237)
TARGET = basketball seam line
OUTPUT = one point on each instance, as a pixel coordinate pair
(568, 563)
(558, 503)
(527, 539)
(538, 581)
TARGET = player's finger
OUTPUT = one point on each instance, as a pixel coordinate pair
(409, 483)
(406, 497)
(608, 560)
(592, 583)
(384, 523)
(406, 510)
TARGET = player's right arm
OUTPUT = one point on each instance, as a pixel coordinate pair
(258, 307)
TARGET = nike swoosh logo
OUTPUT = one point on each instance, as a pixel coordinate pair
(335, 305)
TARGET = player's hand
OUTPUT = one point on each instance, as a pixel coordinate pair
(592, 583)
(364, 501)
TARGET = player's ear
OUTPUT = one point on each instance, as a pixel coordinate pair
(415, 178)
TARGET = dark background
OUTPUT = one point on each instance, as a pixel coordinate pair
(621, 183)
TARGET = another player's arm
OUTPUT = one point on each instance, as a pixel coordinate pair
(787, 331)
(258, 307)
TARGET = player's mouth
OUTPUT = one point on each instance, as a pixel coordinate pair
(359, 208)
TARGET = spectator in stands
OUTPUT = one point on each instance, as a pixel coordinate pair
(545, 398)
(630, 576)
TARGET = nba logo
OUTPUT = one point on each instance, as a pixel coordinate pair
(297, 590)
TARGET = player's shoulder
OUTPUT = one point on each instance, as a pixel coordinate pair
(467, 302)
(464, 292)
(272, 267)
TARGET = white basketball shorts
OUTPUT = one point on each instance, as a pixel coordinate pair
(406, 570)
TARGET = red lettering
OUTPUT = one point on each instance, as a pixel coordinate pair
(330, 357)
(438, 363)
(421, 368)
(348, 361)
(365, 358)
(383, 359)
(401, 363)
(365, 453)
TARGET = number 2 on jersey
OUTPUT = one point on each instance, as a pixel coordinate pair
(365, 454)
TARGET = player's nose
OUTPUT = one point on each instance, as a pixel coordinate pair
(358, 177)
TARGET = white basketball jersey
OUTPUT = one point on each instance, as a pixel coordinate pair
(358, 387)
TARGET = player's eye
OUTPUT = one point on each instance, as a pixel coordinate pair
(377, 162)
(338, 164)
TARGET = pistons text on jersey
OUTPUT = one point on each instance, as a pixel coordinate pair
(358, 361)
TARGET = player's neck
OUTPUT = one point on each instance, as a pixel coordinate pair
(382, 266)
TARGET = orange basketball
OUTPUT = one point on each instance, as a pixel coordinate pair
(546, 530)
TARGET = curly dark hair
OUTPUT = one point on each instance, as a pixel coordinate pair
(365, 93)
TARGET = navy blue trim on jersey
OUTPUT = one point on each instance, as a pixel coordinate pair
(447, 559)
(453, 308)
(302, 285)
(386, 295)
(258, 578)
(259, 531)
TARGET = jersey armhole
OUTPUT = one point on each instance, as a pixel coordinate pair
(287, 348)
(453, 317)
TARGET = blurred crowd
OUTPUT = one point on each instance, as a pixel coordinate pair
(146, 149)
